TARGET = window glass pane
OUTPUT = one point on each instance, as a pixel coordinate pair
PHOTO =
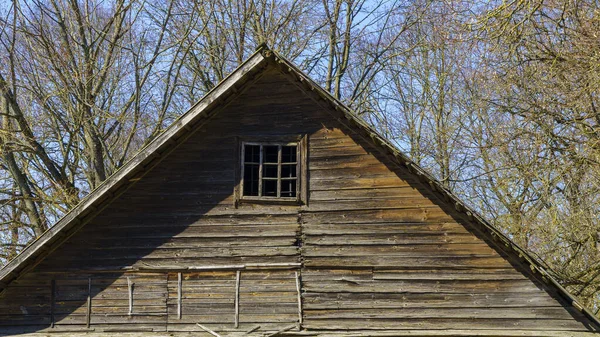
(269, 188)
(288, 171)
(252, 153)
(270, 171)
(270, 154)
(251, 179)
(288, 154)
(288, 188)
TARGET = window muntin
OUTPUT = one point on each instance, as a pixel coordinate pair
(270, 170)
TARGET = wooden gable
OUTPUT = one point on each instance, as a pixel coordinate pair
(373, 249)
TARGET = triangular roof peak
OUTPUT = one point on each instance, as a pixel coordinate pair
(203, 110)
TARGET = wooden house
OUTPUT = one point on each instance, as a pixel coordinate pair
(270, 209)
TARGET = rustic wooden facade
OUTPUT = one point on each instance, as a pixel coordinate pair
(376, 247)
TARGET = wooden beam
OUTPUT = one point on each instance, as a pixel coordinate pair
(303, 193)
(237, 298)
(252, 329)
(88, 317)
(208, 330)
(273, 265)
(242, 266)
(179, 286)
(287, 328)
(52, 300)
(130, 291)
(299, 294)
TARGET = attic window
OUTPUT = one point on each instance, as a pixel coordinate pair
(270, 171)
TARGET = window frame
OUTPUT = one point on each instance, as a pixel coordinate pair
(301, 173)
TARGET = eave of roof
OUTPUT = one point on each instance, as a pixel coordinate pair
(157, 149)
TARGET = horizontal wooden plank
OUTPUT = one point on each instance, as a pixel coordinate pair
(401, 300)
(422, 238)
(229, 319)
(395, 262)
(184, 243)
(192, 329)
(466, 274)
(338, 184)
(245, 308)
(206, 231)
(219, 296)
(383, 251)
(410, 215)
(414, 228)
(393, 192)
(422, 286)
(120, 253)
(415, 274)
(555, 313)
(444, 323)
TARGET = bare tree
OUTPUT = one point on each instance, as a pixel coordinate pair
(542, 73)
(76, 79)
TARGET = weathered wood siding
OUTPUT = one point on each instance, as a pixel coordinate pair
(377, 250)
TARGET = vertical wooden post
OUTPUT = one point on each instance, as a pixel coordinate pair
(130, 290)
(279, 155)
(237, 298)
(52, 300)
(179, 286)
(238, 158)
(302, 169)
(299, 297)
(89, 303)
(260, 172)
